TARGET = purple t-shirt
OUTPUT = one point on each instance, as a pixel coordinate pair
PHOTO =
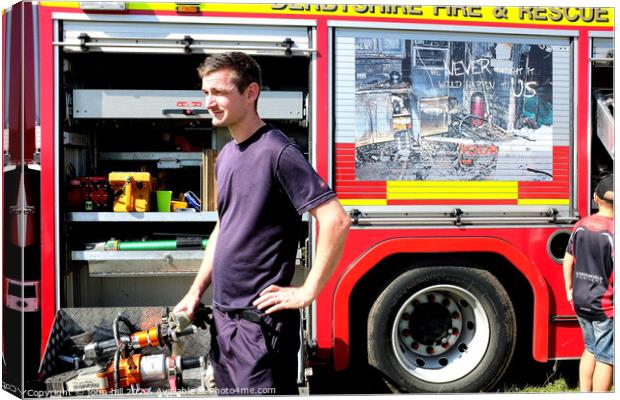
(264, 185)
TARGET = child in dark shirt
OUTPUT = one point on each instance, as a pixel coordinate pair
(589, 278)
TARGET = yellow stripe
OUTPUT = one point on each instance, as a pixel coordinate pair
(435, 190)
(363, 202)
(561, 16)
(521, 202)
(463, 184)
(439, 189)
(452, 196)
(537, 202)
(61, 4)
(154, 6)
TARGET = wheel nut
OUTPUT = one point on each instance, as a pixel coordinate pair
(431, 298)
(455, 331)
(446, 302)
(406, 316)
(445, 345)
(415, 345)
(406, 332)
(456, 315)
(430, 350)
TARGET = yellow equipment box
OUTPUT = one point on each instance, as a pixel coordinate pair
(132, 191)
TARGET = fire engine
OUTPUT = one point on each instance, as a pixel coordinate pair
(463, 141)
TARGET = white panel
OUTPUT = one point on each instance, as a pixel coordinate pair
(562, 104)
(345, 89)
(136, 104)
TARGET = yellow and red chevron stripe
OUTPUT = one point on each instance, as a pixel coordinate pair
(381, 193)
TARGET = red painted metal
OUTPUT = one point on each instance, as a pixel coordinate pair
(322, 68)
(583, 101)
(48, 173)
(365, 248)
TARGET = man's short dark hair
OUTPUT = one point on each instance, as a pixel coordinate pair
(246, 69)
(606, 185)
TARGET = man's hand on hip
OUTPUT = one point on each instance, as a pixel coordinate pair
(276, 298)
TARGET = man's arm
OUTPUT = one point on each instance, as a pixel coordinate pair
(568, 266)
(202, 280)
(334, 225)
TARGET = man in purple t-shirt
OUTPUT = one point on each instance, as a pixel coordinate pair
(264, 186)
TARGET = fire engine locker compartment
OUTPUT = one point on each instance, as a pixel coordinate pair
(79, 347)
(130, 101)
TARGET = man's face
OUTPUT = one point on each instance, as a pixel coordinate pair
(225, 104)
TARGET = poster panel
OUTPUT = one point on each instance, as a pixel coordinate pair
(438, 110)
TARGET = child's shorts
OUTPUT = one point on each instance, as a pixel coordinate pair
(599, 339)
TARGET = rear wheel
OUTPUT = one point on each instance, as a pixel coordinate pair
(442, 329)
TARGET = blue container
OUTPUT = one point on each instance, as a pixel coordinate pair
(193, 200)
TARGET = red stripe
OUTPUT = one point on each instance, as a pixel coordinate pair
(542, 185)
(358, 184)
(344, 193)
(322, 161)
(544, 195)
(359, 196)
(349, 189)
(48, 306)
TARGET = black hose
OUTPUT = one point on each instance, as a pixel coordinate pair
(119, 345)
(117, 377)
(190, 362)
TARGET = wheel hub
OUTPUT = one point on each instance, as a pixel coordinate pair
(440, 333)
(429, 323)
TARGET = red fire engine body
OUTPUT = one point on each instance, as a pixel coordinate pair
(460, 139)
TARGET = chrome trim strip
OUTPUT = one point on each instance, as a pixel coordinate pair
(277, 20)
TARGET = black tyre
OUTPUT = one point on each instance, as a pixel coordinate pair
(442, 329)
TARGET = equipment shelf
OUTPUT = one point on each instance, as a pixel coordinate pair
(208, 216)
(113, 264)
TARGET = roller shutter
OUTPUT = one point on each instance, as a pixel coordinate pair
(452, 119)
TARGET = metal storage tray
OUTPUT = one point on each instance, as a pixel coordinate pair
(112, 264)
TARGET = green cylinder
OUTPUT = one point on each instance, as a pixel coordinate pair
(149, 245)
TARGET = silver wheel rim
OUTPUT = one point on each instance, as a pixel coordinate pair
(440, 334)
